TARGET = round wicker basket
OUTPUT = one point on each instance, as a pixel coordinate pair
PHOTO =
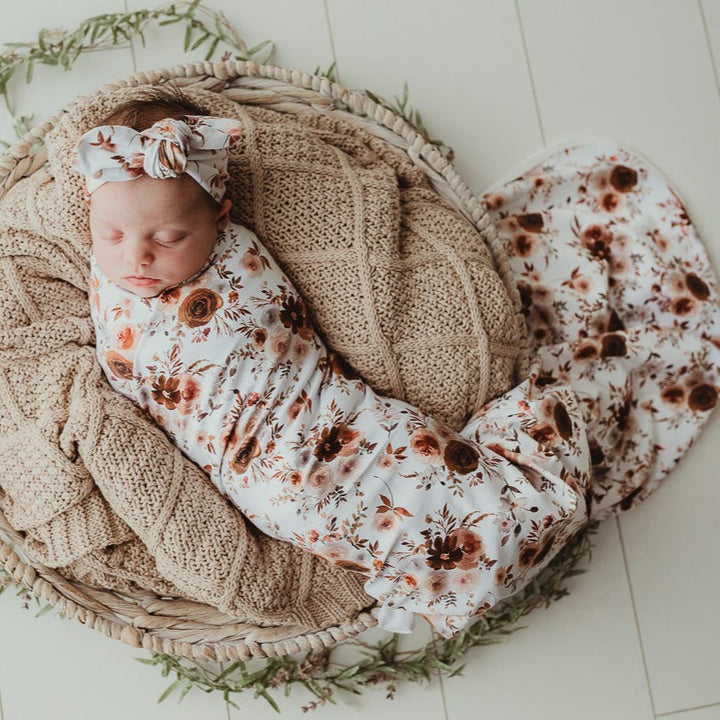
(176, 626)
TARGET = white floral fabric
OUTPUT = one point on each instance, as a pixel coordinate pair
(622, 309)
(198, 145)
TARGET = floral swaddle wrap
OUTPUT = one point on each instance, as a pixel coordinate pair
(443, 524)
(229, 365)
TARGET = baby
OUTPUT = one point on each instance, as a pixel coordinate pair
(198, 325)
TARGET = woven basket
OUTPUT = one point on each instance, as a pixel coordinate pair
(182, 627)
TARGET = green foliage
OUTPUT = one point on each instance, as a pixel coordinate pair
(382, 663)
(203, 27)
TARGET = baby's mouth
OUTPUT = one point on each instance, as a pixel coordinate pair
(141, 281)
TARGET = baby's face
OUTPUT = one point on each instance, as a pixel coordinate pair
(149, 235)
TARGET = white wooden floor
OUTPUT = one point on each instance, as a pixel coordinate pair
(498, 80)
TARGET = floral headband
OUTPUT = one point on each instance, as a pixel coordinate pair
(198, 146)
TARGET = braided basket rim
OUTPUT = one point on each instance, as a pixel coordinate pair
(138, 621)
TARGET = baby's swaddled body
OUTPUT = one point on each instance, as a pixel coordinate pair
(443, 524)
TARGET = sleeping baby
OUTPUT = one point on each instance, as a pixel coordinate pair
(198, 325)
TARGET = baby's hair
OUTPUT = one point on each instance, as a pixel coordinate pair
(152, 105)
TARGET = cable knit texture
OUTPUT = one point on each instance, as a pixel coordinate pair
(396, 281)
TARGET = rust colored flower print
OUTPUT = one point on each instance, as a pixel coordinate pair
(563, 423)
(532, 222)
(585, 351)
(336, 440)
(294, 315)
(543, 434)
(524, 245)
(245, 454)
(165, 391)
(609, 202)
(460, 457)
(252, 264)
(119, 365)
(697, 286)
(613, 345)
(471, 545)
(446, 524)
(597, 239)
(126, 337)
(673, 395)
(199, 307)
(623, 178)
(443, 553)
(426, 446)
(703, 397)
(683, 305)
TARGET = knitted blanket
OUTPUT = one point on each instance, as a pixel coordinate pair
(397, 282)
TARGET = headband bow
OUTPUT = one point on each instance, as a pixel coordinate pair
(198, 146)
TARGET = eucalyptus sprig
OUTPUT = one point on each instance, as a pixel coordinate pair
(203, 27)
(382, 663)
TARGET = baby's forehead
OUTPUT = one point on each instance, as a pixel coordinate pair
(177, 197)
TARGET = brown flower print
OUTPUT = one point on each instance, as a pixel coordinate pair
(563, 423)
(532, 222)
(623, 178)
(460, 457)
(533, 553)
(697, 287)
(683, 305)
(703, 397)
(613, 345)
(597, 239)
(294, 315)
(119, 365)
(523, 245)
(543, 434)
(126, 337)
(259, 337)
(245, 454)
(165, 392)
(609, 202)
(443, 553)
(319, 478)
(334, 441)
(471, 545)
(251, 264)
(106, 143)
(190, 392)
(383, 521)
(199, 307)
(673, 395)
(426, 446)
(494, 202)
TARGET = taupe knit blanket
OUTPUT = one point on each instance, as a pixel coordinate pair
(396, 281)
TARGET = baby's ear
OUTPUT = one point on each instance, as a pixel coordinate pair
(223, 215)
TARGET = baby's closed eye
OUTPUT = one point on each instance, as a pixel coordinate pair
(169, 238)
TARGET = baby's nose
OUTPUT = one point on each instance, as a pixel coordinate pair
(137, 252)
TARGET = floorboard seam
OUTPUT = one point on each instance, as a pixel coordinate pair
(526, 51)
(635, 615)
